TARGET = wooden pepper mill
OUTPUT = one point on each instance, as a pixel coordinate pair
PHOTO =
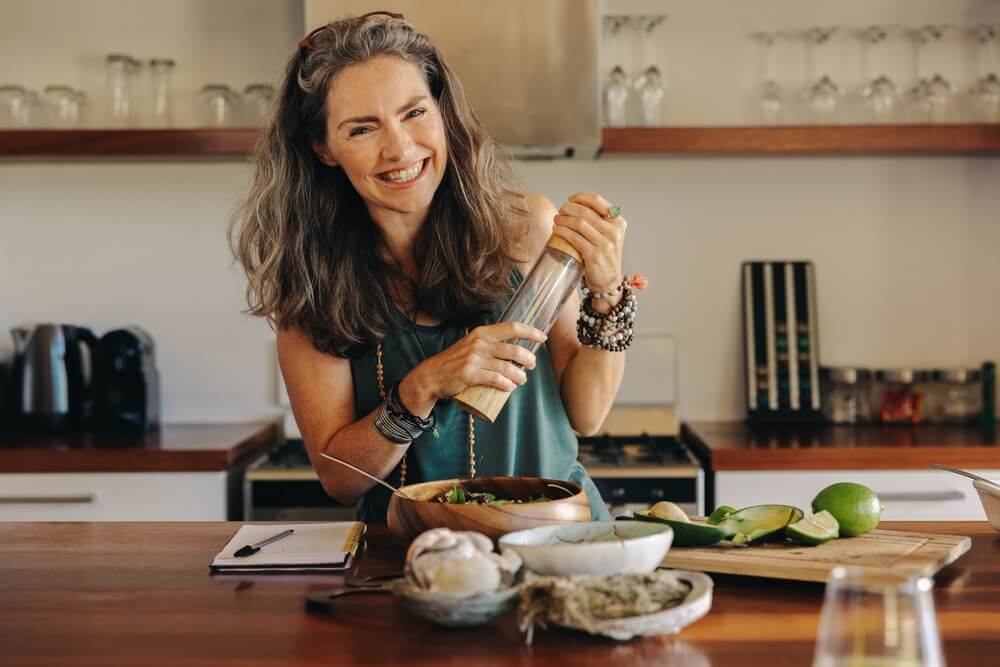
(537, 302)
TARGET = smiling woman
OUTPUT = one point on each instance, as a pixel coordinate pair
(382, 236)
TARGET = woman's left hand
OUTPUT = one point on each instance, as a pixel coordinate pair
(582, 221)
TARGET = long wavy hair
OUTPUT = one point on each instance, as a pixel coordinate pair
(313, 257)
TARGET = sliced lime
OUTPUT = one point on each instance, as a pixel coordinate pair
(817, 529)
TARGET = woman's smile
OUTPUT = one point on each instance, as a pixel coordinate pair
(406, 176)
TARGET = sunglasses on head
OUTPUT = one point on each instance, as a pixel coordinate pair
(306, 45)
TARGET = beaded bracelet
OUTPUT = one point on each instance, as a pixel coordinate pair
(591, 294)
(611, 332)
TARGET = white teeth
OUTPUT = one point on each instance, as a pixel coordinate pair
(404, 175)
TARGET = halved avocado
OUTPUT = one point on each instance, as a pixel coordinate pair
(761, 523)
(687, 533)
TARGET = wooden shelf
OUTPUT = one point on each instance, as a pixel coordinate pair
(805, 140)
(191, 143)
(238, 143)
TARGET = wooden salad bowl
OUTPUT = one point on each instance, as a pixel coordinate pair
(408, 517)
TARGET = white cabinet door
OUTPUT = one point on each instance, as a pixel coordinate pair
(151, 496)
(908, 495)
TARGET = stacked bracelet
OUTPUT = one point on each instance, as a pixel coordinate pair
(591, 294)
(397, 424)
(611, 332)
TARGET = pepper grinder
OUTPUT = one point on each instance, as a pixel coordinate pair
(537, 302)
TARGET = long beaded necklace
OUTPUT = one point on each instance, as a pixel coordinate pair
(380, 381)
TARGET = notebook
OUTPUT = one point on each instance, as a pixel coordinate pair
(312, 546)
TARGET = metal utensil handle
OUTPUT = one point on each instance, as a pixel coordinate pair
(369, 476)
(964, 473)
(919, 496)
(81, 498)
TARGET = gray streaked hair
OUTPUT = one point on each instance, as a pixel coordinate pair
(313, 258)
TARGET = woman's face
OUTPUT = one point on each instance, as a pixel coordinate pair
(385, 131)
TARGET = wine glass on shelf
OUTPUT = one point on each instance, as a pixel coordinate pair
(918, 97)
(649, 84)
(823, 96)
(986, 91)
(770, 96)
(616, 84)
(941, 91)
(877, 618)
(879, 94)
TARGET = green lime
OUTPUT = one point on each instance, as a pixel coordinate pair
(855, 507)
(817, 529)
(720, 514)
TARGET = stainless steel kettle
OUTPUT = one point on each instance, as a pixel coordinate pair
(53, 371)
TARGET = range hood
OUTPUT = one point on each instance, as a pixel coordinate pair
(529, 67)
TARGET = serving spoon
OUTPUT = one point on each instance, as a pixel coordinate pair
(970, 475)
(371, 477)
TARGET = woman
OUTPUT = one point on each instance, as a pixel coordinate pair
(383, 235)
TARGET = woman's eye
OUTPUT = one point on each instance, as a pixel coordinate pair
(415, 113)
(358, 131)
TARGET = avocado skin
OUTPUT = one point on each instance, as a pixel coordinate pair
(688, 534)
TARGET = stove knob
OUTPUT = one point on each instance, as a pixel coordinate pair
(618, 492)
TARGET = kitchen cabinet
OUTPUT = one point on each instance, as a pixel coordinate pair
(150, 496)
(908, 495)
(180, 472)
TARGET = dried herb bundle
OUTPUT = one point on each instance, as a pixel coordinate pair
(583, 600)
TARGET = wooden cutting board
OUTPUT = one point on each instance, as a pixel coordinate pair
(897, 551)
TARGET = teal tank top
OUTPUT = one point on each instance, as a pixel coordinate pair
(531, 437)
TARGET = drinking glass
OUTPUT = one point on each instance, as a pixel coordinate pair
(161, 109)
(257, 99)
(121, 73)
(649, 83)
(986, 92)
(877, 619)
(616, 87)
(823, 96)
(918, 97)
(12, 101)
(771, 97)
(62, 106)
(940, 89)
(880, 94)
(220, 105)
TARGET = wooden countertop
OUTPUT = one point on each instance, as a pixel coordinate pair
(175, 447)
(739, 446)
(141, 594)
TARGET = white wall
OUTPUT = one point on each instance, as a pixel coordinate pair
(905, 248)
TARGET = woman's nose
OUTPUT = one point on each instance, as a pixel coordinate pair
(397, 142)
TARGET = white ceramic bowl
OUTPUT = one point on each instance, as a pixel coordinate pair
(591, 547)
(990, 495)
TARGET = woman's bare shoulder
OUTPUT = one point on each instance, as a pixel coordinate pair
(538, 229)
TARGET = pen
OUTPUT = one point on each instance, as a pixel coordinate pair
(251, 549)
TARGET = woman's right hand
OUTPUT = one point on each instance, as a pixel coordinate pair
(481, 357)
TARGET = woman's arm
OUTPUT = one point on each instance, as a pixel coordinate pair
(588, 378)
(321, 392)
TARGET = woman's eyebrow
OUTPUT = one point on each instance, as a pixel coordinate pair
(373, 119)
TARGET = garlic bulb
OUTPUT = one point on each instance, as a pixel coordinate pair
(447, 561)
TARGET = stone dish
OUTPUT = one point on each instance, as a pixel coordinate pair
(670, 621)
(592, 547)
(453, 609)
